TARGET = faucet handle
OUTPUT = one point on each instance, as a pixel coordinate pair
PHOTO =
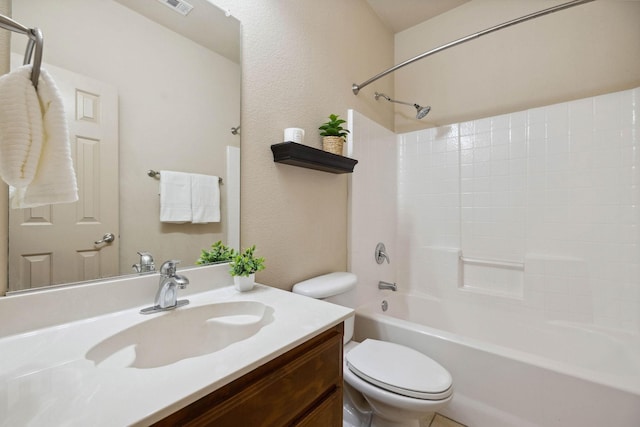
(169, 268)
(381, 254)
(145, 256)
(146, 263)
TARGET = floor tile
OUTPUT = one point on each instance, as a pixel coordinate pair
(441, 421)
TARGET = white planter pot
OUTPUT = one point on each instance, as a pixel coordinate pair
(244, 283)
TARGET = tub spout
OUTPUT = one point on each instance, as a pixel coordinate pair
(387, 285)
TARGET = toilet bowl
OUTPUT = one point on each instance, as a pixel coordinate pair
(400, 384)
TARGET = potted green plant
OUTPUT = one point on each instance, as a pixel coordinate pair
(219, 252)
(333, 134)
(244, 266)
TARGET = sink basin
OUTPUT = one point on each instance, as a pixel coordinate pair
(182, 333)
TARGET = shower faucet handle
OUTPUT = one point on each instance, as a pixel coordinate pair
(381, 254)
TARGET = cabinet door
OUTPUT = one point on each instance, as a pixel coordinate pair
(301, 387)
(327, 413)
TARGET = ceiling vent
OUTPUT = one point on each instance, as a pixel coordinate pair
(180, 6)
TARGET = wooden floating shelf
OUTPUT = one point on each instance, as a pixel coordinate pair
(292, 153)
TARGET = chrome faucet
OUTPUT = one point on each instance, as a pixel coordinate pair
(167, 295)
(146, 264)
(387, 285)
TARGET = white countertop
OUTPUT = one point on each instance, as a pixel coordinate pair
(45, 378)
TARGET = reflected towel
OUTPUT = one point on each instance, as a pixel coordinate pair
(205, 198)
(55, 178)
(175, 197)
(20, 128)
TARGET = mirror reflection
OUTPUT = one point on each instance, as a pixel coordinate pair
(145, 88)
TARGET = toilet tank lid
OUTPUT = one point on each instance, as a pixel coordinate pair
(327, 285)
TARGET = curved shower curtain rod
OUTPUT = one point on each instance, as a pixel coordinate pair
(356, 87)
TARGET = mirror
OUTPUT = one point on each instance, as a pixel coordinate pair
(145, 88)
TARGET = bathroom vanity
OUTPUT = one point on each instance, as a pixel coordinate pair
(86, 356)
(303, 387)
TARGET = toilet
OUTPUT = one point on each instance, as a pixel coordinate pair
(399, 384)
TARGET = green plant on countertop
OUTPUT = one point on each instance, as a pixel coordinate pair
(334, 127)
(245, 263)
(219, 252)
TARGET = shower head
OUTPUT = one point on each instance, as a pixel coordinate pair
(420, 111)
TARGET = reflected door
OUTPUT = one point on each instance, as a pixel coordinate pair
(57, 243)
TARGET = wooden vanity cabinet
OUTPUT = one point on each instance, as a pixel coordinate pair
(303, 387)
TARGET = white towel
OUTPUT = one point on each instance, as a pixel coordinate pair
(35, 157)
(175, 197)
(55, 179)
(205, 198)
(20, 128)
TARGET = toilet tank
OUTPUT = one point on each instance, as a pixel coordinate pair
(332, 288)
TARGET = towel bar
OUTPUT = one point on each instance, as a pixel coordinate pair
(35, 41)
(156, 174)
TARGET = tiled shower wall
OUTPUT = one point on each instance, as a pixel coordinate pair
(542, 206)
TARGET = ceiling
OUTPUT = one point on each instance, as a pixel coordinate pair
(399, 15)
(206, 24)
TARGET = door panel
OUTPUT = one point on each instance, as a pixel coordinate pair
(55, 244)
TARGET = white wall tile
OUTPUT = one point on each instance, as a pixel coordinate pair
(555, 187)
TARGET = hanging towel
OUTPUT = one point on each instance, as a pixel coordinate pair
(55, 178)
(175, 197)
(20, 128)
(205, 198)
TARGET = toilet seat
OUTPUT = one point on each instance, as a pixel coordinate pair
(400, 370)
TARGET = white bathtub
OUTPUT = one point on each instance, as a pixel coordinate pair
(508, 371)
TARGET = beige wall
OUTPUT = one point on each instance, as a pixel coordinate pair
(299, 59)
(583, 51)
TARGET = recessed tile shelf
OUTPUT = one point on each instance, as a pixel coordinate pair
(295, 154)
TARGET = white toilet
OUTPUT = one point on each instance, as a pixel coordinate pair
(400, 384)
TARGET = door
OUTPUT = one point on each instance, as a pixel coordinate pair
(56, 243)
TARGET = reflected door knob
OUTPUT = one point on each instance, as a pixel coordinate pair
(107, 238)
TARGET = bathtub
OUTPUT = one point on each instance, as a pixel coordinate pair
(510, 371)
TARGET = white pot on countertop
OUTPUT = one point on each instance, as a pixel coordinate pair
(244, 283)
